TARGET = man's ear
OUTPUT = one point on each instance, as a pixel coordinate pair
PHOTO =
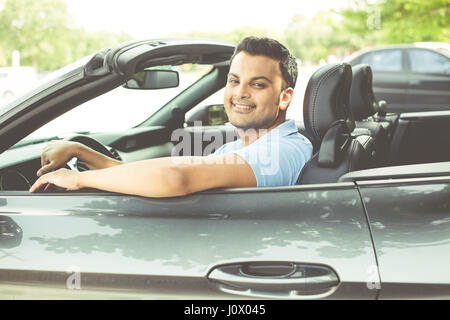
(285, 98)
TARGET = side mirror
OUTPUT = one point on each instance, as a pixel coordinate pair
(10, 233)
(153, 79)
(216, 115)
(208, 115)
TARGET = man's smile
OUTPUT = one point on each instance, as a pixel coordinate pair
(242, 108)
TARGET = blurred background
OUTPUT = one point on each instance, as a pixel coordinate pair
(40, 36)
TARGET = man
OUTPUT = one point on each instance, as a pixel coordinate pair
(270, 151)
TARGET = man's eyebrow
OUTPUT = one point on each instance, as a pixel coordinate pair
(262, 77)
(252, 79)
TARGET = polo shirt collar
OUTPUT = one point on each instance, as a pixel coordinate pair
(286, 128)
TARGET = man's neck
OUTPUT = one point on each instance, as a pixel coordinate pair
(248, 136)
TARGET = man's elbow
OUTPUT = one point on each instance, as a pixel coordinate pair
(178, 182)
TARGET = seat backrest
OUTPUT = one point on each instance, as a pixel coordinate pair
(329, 123)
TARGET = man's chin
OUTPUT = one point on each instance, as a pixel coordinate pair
(243, 125)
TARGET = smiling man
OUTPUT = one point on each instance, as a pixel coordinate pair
(270, 151)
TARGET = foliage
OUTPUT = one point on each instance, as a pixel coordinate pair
(44, 34)
(47, 39)
(232, 37)
(362, 23)
(311, 39)
(397, 21)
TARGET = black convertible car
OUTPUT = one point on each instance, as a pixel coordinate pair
(368, 219)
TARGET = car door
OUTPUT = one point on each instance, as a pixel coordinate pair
(428, 80)
(389, 79)
(300, 242)
(410, 223)
(421, 137)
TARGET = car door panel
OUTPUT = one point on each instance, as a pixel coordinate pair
(410, 223)
(428, 92)
(159, 248)
(421, 137)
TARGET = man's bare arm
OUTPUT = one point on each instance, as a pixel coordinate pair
(161, 177)
(57, 153)
(93, 159)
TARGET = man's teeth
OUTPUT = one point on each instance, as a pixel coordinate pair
(243, 107)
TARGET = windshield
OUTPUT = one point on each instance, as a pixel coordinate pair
(120, 108)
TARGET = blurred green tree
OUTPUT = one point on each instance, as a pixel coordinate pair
(36, 29)
(45, 35)
(362, 23)
(397, 21)
(233, 36)
(310, 39)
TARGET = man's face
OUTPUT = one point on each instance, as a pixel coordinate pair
(252, 92)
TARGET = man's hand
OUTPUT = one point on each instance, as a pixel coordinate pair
(63, 178)
(56, 154)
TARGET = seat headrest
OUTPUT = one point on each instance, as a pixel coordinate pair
(362, 99)
(327, 100)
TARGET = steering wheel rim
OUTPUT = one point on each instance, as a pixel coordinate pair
(91, 143)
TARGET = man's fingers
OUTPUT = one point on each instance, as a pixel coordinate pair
(39, 183)
(45, 169)
(63, 178)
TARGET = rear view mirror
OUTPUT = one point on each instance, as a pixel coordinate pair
(153, 79)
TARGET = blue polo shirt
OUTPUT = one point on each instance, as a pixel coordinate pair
(277, 157)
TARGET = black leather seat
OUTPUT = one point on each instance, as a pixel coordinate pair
(329, 123)
(364, 107)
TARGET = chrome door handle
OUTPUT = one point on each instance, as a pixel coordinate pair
(275, 279)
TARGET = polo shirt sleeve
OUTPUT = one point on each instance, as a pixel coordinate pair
(277, 164)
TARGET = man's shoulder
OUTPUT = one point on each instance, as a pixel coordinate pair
(227, 147)
(289, 140)
(297, 139)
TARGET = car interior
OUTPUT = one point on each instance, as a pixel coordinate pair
(349, 129)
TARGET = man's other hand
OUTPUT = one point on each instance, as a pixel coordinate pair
(63, 178)
(56, 154)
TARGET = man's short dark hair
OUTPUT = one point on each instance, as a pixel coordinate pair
(273, 49)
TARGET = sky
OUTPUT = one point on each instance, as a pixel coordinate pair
(153, 19)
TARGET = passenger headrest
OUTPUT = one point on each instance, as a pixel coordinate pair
(326, 101)
(362, 99)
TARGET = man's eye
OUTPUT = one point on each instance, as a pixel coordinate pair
(259, 85)
(233, 81)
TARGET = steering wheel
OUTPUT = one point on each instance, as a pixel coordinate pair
(78, 165)
(14, 180)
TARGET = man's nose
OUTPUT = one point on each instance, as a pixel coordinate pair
(241, 91)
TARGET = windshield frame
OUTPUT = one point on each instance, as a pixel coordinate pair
(55, 79)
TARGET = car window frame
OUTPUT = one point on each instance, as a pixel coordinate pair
(408, 62)
(402, 62)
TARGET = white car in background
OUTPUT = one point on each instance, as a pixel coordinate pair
(14, 80)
